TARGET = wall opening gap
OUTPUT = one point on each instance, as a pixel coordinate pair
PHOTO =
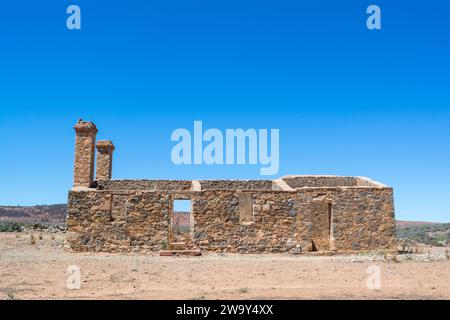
(181, 220)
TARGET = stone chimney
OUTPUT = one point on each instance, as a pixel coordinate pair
(105, 150)
(83, 171)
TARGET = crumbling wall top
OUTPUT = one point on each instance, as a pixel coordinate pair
(319, 181)
(105, 145)
(82, 125)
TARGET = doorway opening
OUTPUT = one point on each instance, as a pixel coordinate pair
(331, 226)
(322, 226)
(181, 222)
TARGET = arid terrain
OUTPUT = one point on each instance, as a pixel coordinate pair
(39, 271)
(46, 214)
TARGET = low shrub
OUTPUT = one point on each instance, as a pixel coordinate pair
(6, 226)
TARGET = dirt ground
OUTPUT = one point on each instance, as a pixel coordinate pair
(40, 271)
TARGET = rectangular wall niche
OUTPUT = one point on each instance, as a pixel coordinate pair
(245, 207)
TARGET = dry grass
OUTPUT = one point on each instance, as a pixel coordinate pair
(390, 256)
(32, 239)
(395, 257)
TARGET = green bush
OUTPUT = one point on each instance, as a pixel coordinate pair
(6, 226)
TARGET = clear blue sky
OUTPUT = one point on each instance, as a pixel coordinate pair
(347, 100)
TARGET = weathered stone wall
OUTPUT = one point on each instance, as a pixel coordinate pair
(144, 184)
(271, 228)
(362, 217)
(293, 214)
(112, 222)
(319, 181)
(246, 221)
(236, 184)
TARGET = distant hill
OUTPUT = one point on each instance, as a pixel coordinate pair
(436, 234)
(402, 223)
(181, 221)
(44, 214)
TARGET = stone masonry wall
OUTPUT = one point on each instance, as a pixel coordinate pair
(236, 184)
(362, 218)
(319, 181)
(144, 184)
(272, 227)
(113, 222)
(293, 214)
(243, 221)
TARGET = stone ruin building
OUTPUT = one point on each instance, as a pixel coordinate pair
(293, 214)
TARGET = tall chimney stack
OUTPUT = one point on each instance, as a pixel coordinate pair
(105, 150)
(83, 171)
